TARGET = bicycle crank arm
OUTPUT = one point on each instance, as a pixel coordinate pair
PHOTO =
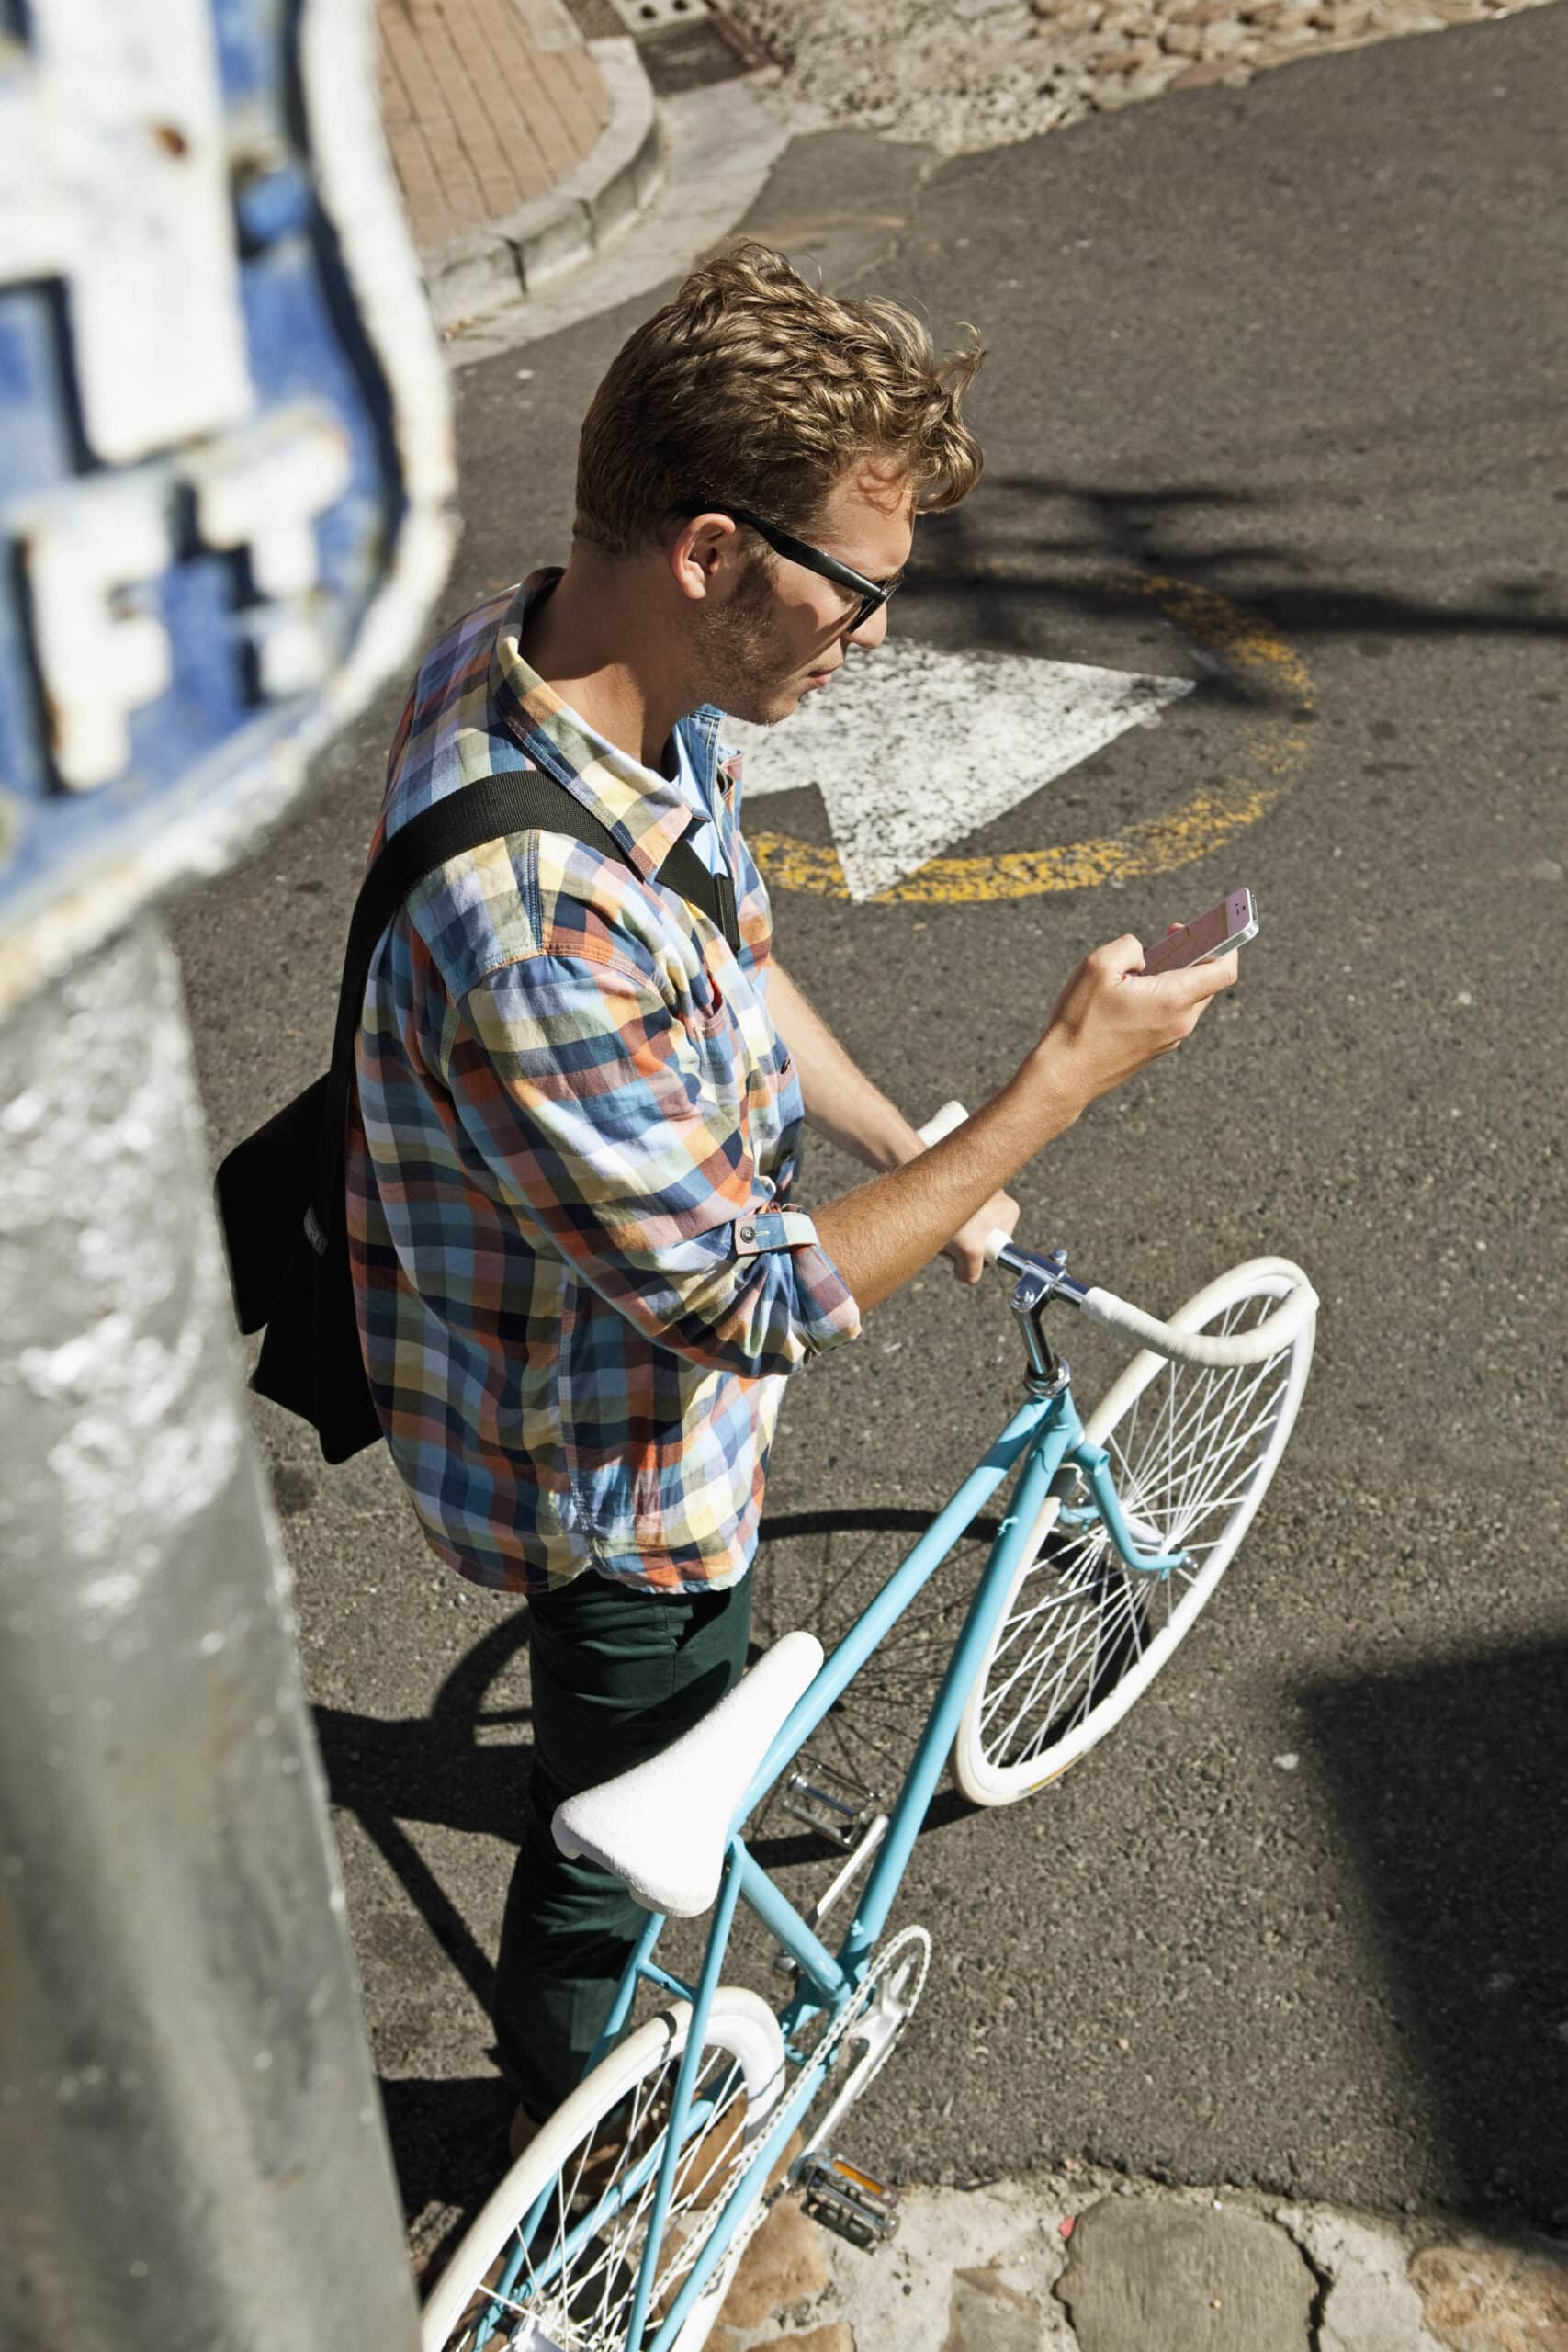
(784, 1962)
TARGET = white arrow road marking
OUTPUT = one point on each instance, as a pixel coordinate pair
(912, 749)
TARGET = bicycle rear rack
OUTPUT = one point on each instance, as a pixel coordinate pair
(847, 2201)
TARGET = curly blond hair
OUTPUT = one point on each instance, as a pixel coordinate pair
(755, 386)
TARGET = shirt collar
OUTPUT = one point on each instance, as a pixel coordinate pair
(647, 813)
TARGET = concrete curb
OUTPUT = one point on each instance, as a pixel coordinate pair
(511, 259)
(717, 149)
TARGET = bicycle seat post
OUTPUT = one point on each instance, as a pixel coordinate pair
(1039, 1281)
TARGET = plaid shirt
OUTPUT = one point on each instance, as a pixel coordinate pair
(578, 1285)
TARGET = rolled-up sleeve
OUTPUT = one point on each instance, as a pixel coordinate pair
(600, 1121)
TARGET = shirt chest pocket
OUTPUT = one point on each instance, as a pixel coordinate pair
(705, 1002)
(744, 1060)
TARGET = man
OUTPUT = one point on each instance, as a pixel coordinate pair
(580, 1276)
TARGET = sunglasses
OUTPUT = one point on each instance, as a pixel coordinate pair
(872, 594)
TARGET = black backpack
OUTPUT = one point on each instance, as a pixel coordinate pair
(280, 1192)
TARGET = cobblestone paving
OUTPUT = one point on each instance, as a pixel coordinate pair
(1082, 2260)
(960, 75)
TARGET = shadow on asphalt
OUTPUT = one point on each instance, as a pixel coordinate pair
(1450, 1781)
(437, 1767)
(448, 2137)
(1047, 544)
(448, 2142)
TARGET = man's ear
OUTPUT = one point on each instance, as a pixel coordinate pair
(701, 552)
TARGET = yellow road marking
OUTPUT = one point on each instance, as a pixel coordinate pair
(1269, 766)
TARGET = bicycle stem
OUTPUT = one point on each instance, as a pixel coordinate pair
(1040, 1279)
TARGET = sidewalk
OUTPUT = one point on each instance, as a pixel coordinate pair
(518, 145)
(1077, 2260)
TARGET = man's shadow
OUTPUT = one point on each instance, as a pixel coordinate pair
(448, 2136)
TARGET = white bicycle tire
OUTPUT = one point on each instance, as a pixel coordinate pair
(980, 1777)
(741, 2024)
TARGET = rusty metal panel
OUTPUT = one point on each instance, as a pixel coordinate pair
(225, 453)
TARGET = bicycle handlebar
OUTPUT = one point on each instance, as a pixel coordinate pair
(1295, 1310)
(1266, 1338)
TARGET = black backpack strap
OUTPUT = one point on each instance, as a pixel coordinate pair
(524, 800)
(684, 871)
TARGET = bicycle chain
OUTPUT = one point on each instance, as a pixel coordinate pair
(841, 2025)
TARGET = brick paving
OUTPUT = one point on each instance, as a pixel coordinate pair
(481, 116)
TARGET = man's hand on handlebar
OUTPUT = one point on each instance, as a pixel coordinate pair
(967, 1247)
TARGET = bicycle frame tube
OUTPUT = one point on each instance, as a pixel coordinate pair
(1054, 1426)
(1040, 1466)
(681, 2104)
(1049, 1429)
(781, 1918)
(1042, 1434)
(1095, 1464)
(890, 1603)
(742, 1876)
(790, 2113)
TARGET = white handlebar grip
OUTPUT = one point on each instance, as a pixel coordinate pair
(1256, 1345)
(951, 1115)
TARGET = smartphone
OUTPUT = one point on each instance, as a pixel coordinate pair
(1228, 925)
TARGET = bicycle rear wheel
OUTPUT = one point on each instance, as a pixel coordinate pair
(571, 2217)
(1192, 1449)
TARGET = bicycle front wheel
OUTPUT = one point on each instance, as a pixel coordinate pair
(1192, 1449)
(552, 2261)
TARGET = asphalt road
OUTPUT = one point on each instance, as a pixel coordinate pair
(1301, 346)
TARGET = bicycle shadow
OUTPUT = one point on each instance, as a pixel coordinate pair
(1449, 1782)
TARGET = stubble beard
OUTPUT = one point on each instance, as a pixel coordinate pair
(746, 672)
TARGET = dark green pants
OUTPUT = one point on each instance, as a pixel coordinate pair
(617, 1673)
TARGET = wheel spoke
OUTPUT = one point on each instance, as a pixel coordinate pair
(1189, 1452)
(579, 2267)
(1164, 1487)
(1089, 1633)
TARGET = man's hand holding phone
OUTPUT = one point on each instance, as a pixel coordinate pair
(1123, 1009)
(1113, 1018)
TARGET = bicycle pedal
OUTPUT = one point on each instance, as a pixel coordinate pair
(848, 2201)
(828, 1800)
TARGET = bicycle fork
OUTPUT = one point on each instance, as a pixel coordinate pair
(1049, 1378)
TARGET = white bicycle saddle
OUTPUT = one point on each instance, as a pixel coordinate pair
(662, 1827)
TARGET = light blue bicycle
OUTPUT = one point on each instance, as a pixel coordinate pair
(620, 2228)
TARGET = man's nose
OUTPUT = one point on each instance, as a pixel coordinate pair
(871, 631)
